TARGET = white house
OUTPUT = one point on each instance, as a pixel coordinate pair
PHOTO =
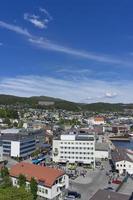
(123, 160)
(51, 182)
(74, 147)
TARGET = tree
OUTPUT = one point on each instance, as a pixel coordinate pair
(4, 172)
(13, 193)
(22, 180)
(6, 182)
(33, 188)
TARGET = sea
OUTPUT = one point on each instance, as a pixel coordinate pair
(124, 144)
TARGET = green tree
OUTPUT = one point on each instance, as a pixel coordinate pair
(13, 193)
(22, 180)
(4, 172)
(33, 188)
(6, 182)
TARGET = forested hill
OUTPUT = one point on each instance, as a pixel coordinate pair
(61, 104)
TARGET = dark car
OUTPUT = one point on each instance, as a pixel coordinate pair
(75, 194)
(109, 188)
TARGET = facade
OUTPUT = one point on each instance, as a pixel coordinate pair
(52, 182)
(101, 151)
(73, 148)
(18, 146)
(122, 160)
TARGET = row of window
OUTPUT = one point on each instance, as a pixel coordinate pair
(81, 143)
(85, 148)
(62, 152)
(120, 165)
(42, 190)
(80, 158)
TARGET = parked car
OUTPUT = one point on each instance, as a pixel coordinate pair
(116, 181)
(75, 194)
(69, 198)
(109, 188)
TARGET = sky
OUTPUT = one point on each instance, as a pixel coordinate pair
(78, 50)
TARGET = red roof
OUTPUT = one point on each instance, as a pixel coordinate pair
(43, 174)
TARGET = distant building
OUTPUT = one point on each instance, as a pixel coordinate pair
(74, 147)
(96, 121)
(51, 182)
(46, 103)
(109, 195)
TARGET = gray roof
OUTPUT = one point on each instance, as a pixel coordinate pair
(120, 154)
(109, 195)
(101, 147)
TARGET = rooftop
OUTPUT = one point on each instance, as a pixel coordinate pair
(45, 175)
(120, 154)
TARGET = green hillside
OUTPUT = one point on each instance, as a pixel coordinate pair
(60, 104)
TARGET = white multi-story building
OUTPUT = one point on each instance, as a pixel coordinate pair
(74, 148)
(52, 182)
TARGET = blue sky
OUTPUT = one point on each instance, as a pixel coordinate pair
(78, 50)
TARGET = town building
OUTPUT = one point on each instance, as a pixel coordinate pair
(74, 147)
(101, 151)
(122, 160)
(52, 182)
(96, 121)
(18, 145)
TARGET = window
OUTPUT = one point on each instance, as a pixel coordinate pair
(46, 191)
(43, 190)
(39, 189)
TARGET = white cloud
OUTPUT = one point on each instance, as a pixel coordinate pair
(110, 94)
(40, 23)
(51, 46)
(78, 91)
(38, 20)
(15, 28)
(46, 44)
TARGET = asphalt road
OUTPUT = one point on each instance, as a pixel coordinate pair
(98, 181)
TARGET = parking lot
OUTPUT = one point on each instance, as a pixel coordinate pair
(93, 180)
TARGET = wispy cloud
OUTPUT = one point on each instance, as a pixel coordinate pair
(46, 44)
(51, 46)
(15, 28)
(35, 20)
(78, 91)
(39, 21)
(46, 13)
